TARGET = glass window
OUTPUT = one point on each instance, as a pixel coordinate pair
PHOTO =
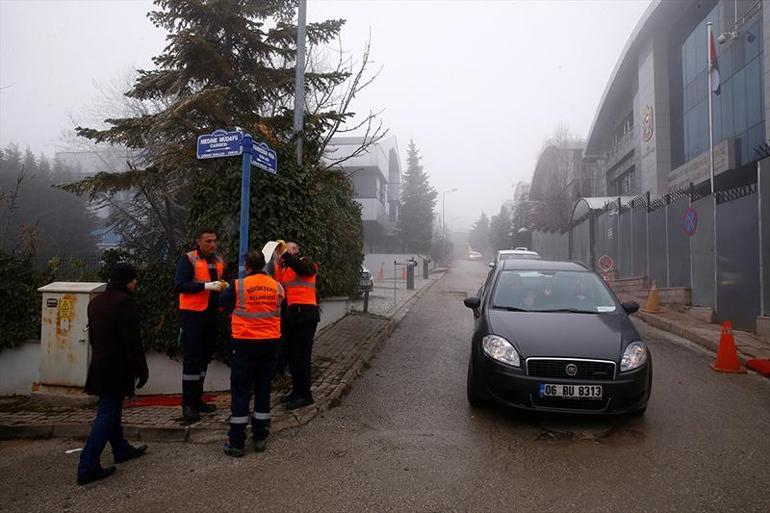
(728, 126)
(753, 93)
(739, 101)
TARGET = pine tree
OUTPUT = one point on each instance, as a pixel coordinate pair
(418, 198)
(500, 228)
(479, 236)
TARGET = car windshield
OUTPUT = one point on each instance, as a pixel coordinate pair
(552, 291)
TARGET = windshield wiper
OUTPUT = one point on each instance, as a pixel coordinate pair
(568, 310)
(510, 308)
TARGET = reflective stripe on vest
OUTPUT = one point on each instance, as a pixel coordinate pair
(257, 316)
(199, 301)
(300, 290)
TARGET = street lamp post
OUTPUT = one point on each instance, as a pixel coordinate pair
(443, 209)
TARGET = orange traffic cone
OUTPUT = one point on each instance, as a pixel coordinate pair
(381, 274)
(727, 356)
(653, 302)
(403, 273)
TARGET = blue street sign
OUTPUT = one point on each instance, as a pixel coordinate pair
(264, 158)
(219, 144)
(690, 221)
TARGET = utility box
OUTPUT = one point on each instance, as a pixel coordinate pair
(65, 352)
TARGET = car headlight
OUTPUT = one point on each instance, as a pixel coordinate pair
(500, 349)
(634, 356)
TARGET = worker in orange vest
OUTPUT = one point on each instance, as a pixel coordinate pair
(198, 283)
(298, 276)
(255, 302)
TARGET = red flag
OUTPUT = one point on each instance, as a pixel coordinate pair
(716, 86)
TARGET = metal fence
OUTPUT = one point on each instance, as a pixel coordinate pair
(82, 266)
(670, 240)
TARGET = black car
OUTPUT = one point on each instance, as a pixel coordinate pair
(552, 336)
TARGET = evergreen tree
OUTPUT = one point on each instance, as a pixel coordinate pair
(418, 197)
(500, 229)
(37, 217)
(479, 236)
(230, 64)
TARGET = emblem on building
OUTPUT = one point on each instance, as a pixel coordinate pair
(647, 123)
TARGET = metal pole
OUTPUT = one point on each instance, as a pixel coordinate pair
(632, 239)
(761, 242)
(668, 249)
(647, 235)
(443, 214)
(689, 239)
(299, 79)
(243, 241)
(709, 37)
(395, 301)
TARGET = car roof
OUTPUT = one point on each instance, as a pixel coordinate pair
(542, 265)
(517, 252)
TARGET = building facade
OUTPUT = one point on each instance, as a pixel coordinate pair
(376, 176)
(651, 130)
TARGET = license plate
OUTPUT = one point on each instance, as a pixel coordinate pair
(571, 391)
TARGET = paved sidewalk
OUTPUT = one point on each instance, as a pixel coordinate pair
(340, 351)
(702, 333)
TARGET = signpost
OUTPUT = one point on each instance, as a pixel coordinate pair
(221, 143)
(690, 221)
(606, 264)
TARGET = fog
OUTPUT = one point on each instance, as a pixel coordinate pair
(478, 85)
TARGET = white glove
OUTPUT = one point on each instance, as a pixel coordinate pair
(216, 286)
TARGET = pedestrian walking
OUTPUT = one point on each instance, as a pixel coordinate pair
(255, 302)
(198, 282)
(298, 276)
(117, 365)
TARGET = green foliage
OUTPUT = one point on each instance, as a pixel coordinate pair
(418, 198)
(500, 230)
(20, 318)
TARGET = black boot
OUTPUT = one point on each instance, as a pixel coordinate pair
(130, 454)
(96, 475)
(190, 414)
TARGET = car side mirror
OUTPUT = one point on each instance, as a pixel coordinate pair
(491, 265)
(630, 307)
(472, 302)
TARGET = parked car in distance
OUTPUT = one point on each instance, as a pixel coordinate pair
(518, 253)
(474, 255)
(552, 336)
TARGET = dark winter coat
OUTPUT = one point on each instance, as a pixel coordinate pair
(118, 357)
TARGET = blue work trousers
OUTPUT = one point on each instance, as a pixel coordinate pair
(252, 363)
(199, 337)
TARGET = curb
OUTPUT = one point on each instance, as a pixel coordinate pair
(193, 434)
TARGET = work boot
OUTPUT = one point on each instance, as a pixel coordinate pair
(190, 414)
(235, 452)
(288, 398)
(260, 445)
(206, 407)
(299, 402)
(96, 475)
(131, 453)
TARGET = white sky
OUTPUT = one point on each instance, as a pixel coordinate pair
(479, 85)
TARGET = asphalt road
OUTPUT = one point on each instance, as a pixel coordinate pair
(405, 439)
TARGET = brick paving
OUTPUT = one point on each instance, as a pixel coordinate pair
(340, 351)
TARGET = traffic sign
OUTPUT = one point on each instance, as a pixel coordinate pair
(219, 144)
(606, 263)
(264, 158)
(690, 221)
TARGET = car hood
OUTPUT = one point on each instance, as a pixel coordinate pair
(558, 334)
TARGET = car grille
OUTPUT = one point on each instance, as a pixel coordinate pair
(586, 369)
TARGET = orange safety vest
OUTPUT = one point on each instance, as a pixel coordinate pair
(257, 314)
(199, 301)
(300, 290)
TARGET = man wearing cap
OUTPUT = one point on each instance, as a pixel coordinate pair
(117, 363)
(198, 282)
